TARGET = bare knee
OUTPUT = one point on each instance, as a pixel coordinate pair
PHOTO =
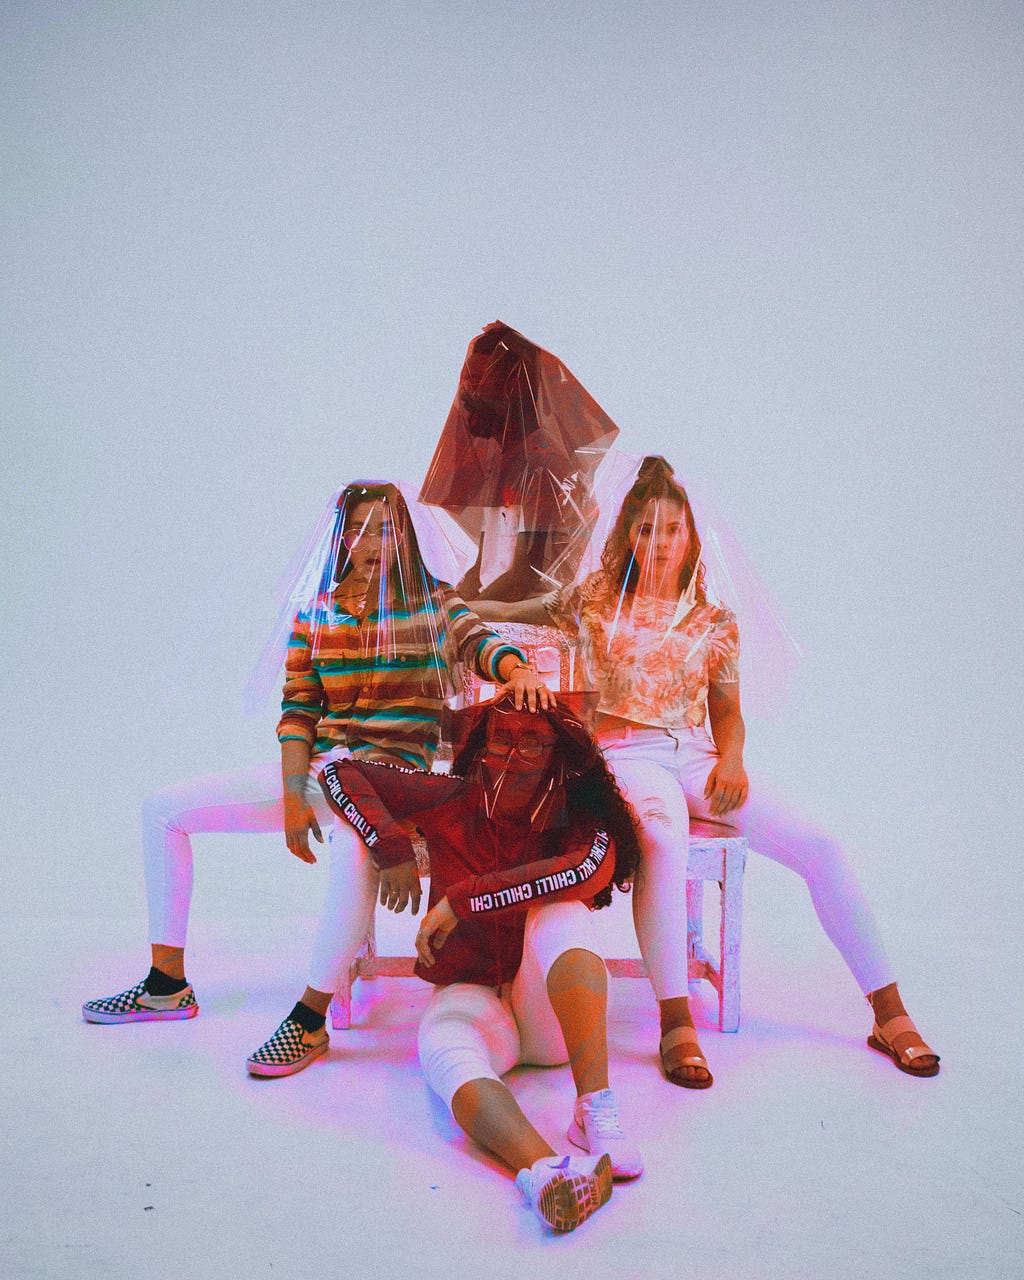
(470, 1098)
(574, 969)
(655, 795)
(653, 814)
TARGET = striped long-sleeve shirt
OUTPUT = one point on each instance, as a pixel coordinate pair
(376, 685)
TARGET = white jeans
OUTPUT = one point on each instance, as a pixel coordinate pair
(662, 774)
(469, 1032)
(251, 800)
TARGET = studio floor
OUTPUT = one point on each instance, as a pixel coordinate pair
(146, 1151)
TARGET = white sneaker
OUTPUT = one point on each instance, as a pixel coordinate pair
(564, 1191)
(595, 1128)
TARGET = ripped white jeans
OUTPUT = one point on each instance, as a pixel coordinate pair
(662, 774)
(251, 800)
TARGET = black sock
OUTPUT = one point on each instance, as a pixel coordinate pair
(307, 1018)
(159, 984)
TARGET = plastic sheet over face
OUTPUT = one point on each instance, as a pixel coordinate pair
(664, 555)
(520, 769)
(363, 588)
(515, 466)
(522, 759)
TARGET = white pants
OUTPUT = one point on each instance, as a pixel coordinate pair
(469, 1032)
(662, 774)
(251, 800)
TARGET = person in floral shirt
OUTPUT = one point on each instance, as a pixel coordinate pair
(665, 663)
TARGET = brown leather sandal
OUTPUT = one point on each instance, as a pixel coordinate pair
(672, 1040)
(881, 1038)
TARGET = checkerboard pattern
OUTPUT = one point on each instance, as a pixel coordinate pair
(138, 1005)
(288, 1050)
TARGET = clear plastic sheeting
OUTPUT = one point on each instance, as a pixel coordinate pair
(515, 466)
(364, 595)
(520, 774)
(668, 592)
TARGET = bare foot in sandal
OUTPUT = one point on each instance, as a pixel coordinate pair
(895, 1035)
(681, 1058)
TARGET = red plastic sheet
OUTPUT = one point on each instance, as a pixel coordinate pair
(515, 466)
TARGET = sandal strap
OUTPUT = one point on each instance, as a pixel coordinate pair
(917, 1051)
(888, 1031)
(896, 1027)
(679, 1036)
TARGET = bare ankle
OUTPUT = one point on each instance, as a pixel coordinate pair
(886, 1003)
(675, 1013)
(317, 1000)
(169, 960)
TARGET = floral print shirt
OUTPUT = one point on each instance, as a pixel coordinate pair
(648, 660)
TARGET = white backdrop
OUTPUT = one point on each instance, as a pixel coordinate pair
(245, 248)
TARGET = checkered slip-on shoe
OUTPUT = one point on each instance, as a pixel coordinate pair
(139, 1005)
(564, 1191)
(288, 1050)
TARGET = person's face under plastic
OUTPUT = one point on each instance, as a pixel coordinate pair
(660, 541)
(518, 768)
(371, 534)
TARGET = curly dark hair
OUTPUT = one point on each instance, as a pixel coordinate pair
(592, 797)
(655, 481)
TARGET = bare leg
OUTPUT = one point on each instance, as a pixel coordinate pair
(578, 990)
(317, 1000)
(169, 960)
(659, 905)
(488, 1113)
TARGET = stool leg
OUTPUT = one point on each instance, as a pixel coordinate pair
(368, 953)
(341, 1005)
(694, 918)
(729, 941)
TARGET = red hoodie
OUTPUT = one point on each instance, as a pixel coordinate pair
(491, 874)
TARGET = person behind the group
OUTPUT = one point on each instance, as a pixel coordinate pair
(515, 465)
(665, 662)
(528, 828)
(366, 674)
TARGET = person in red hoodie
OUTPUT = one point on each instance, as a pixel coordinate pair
(527, 831)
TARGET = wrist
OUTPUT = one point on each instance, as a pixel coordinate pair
(514, 664)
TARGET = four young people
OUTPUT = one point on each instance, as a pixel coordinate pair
(532, 825)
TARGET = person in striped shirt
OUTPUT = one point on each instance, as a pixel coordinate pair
(368, 667)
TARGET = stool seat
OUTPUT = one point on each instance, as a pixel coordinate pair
(720, 859)
(712, 857)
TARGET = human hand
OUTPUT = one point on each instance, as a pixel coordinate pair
(299, 821)
(437, 924)
(526, 688)
(399, 886)
(727, 786)
(550, 600)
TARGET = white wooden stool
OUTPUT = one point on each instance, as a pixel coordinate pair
(715, 858)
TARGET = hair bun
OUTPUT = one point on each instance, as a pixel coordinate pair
(654, 465)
